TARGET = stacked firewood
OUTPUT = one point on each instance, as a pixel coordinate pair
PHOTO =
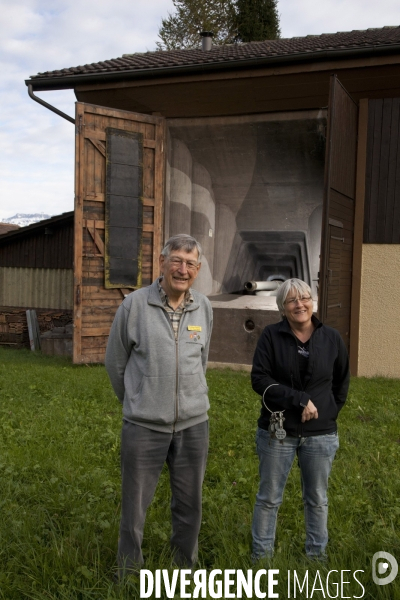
(14, 326)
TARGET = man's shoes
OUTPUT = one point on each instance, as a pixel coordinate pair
(120, 577)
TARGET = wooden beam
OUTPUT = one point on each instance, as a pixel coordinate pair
(78, 238)
(94, 223)
(95, 197)
(358, 235)
(92, 229)
(268, 71)
(118, 114)
(97, 137)
(95, 331)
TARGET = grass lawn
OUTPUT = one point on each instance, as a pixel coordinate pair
(60, 487)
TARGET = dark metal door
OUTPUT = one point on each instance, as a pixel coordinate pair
(338, 215)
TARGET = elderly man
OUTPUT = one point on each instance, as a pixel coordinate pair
(156, 359)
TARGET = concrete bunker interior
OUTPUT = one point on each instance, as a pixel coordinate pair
(251, 190)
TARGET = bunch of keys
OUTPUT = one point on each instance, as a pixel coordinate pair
(276, 425)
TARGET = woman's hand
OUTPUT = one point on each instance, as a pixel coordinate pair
(309, 412)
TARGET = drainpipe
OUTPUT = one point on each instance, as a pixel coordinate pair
(46, 105)
(206, 41)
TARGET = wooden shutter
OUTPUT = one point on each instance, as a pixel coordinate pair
(338, 215)
(95, 298)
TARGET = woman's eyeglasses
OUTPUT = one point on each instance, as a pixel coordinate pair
(303, 300)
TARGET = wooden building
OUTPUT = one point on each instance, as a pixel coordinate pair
(281, 157)
(36, 272)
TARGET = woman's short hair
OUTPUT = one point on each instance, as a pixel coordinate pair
(182, 241)
(300, 287)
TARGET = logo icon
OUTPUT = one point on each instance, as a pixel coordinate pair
(381, 561)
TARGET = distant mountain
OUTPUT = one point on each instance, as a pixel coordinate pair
(23, 219)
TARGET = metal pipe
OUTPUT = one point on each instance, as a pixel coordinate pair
(206, 40)
(252, 286)
(49, 106)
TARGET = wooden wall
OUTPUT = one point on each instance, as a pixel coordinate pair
(382, 189)
(37, 249)
(94, 303)
(334, 294)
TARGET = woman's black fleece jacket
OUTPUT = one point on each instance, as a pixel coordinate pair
(326, 382)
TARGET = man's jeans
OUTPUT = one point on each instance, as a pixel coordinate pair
(315, 456)
(143, 454)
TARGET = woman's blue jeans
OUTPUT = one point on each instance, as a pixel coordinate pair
(315, 456)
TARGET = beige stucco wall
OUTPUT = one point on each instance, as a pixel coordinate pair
(379, 339)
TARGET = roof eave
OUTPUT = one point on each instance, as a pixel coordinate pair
(21, 231)
(70, 81)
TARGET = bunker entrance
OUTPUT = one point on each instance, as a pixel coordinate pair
(250, 189)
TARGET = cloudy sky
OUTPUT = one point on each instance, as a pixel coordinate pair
(36, 146)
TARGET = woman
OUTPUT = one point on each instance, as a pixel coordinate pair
(301, 371)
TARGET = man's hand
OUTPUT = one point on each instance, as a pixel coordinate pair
(309, 412)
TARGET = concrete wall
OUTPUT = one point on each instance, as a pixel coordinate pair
(180, 187)
(235, 334)
(203, 225)
(379, 338)
(191, 207)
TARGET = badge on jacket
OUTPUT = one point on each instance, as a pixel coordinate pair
(195, 337)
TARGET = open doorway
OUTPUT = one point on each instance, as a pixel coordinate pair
(250, 189)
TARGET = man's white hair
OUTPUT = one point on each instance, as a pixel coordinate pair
(182, 241)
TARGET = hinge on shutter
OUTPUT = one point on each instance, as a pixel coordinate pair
(79, 125)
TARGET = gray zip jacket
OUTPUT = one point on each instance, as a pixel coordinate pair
(160, 381)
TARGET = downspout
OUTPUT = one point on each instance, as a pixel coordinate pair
(46, 105)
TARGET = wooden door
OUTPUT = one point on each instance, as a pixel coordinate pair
(334, 295)
(118, 217)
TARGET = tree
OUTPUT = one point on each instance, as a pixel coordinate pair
(229, 20)
(182, 29)
(257, 20)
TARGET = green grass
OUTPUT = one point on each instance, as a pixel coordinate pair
(60, 485)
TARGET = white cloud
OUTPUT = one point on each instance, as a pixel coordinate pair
(37, 147)
(307, 17)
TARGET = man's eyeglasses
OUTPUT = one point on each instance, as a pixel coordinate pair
(176, 262)
(303, 300)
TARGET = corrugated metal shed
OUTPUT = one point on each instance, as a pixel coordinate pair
(36, 271)
(36, 288)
